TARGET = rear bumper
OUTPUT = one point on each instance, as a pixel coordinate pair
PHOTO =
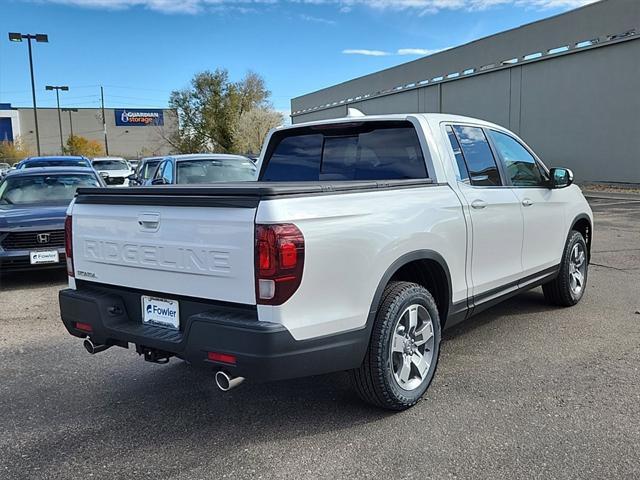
(264, 351)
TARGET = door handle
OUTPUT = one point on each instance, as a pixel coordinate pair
(149, 221)
(478, 204)
(527, 202)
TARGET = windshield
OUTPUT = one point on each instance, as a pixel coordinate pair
(56, 162)
(110, 165)
(148, 169)
(48, 188)
(212, 170)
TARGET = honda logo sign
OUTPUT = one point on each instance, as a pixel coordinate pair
(43, 237)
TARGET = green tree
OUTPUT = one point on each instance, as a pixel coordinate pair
(77, 145)
(210, 109)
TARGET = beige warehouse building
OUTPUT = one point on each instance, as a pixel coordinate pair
(131, 132)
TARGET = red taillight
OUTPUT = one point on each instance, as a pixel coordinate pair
(68, 244)
(85, 327)
(221, 357)
(279, 262)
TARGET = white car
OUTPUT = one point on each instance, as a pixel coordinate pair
(115, 171)
(362, 240)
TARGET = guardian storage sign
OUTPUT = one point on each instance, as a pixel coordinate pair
(138, 118)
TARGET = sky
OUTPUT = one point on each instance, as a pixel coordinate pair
(141, 50)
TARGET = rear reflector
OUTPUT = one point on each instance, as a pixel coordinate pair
(85, 327)
(221, 357)
(68, 244)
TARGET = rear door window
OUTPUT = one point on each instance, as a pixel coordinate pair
(364, 151)
(462, 167)
(482, 167)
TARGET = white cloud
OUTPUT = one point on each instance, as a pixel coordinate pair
(419, 51)
(401, 51)
(345, 6)
(362, 51)
(311, 18)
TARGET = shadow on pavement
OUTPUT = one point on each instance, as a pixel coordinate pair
(31, 279)
(528, 302)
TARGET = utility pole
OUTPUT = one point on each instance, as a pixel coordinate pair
(104, 123)
(39, 37)
(70, 119)
(57, 89)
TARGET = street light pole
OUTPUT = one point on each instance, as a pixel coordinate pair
(64, 88)
(40, 37)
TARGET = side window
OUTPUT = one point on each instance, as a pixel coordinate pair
(520, 166)
(158, 173)
(462, 167)
(167, 174)
(483, 170)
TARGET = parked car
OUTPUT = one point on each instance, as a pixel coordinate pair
(4, 168)
(54, 161)
(134, 164)
(33, 204)
(203, 168)
(115, 171)
(362, 240)
(145, 170)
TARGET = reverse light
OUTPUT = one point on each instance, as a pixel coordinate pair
(68, 244)
(279, 259)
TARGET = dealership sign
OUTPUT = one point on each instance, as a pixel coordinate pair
(139, 118)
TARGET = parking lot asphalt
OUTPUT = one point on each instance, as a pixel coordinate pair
(523, 390)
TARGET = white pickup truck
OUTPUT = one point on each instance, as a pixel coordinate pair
(364, 237)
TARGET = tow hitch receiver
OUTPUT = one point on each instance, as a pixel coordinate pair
(153, 355)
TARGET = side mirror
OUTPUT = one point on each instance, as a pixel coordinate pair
(561, 177)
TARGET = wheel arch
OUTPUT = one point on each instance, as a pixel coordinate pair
(582, 224)
(424, 267)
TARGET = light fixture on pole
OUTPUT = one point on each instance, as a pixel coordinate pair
(40, 38)
(57, 88)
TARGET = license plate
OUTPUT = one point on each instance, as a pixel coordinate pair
(49, 256)
(161, 312)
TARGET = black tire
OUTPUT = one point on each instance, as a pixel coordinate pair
(559, 291)
(374, 380)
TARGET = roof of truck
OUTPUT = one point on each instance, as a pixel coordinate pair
(434, 117)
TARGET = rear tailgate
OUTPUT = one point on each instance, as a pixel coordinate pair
(181, 244)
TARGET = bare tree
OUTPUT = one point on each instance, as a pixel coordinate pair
(253, 127)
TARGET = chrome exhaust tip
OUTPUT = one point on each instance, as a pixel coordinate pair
(92, 348)
(226, 382)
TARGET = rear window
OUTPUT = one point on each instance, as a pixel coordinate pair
(214, 170)
(359, 151)
(110, 165)
(49, 188)
(56, 162)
